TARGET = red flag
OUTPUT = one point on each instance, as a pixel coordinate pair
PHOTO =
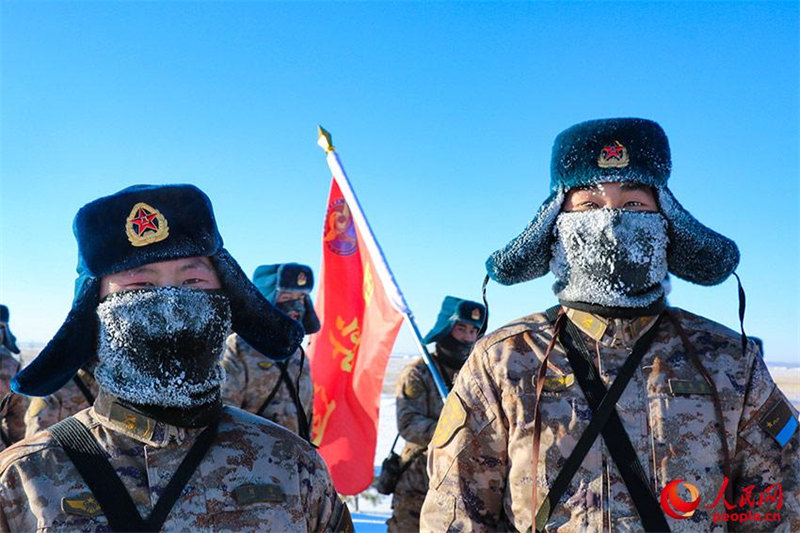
(360, 310)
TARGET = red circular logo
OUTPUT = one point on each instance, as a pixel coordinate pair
(674, 505)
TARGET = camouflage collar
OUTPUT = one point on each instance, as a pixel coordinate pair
(123, 419)
(614, 332)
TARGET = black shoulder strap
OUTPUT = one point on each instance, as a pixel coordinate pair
(84, 389)
(606, 420)
(302, 420)
(181, 477)
(93, 465)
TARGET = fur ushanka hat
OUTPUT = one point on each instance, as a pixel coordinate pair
(455, 310)
(615, 150)
(289, 277)
(136, 226)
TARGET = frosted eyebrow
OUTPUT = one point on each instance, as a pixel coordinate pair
(631, 186)
(196, 264)
(144, 269)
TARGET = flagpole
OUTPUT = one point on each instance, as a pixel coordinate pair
(373, 248)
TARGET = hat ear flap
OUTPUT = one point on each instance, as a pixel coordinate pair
(257, 321)
(695, 252)
(73, 346)
(527, 256)
(10, 341)
(310, 319)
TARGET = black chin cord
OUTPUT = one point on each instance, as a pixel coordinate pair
(742, 305)
(486, 305)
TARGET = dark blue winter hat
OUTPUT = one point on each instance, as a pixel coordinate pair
(455, 310)
(614, 150)
(8, 338)
(292, 277)
(136, 226)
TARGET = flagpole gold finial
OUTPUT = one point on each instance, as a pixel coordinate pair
(324, 140)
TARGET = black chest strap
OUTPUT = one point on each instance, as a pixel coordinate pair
(84, 389)
(606, 420)
(303, 428)
(93, 465)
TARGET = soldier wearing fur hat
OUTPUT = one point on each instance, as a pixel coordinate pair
(419, 403)
(612, 411)
(279, 391)
(157, 295)
(12, 406)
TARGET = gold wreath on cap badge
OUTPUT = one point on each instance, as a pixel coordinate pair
(146, 225)
(613, 155)
(301, 279)
(476, 314)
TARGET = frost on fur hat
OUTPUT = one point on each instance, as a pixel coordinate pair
(291, 277)
(455, 310)
(136, 226)
(614, 150)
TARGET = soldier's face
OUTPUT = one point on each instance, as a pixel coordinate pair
(623, 195)
(465, 333)
(196, 272)
(292, 303)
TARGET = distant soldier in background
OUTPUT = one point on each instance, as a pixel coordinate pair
(419, 403)
(12, 406)
(279, 391)
(76, 395)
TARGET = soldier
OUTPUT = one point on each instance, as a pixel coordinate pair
(693, 430)
(157, 296)
(279, 391)
(419, 403)
(12, 406)
(76, 395)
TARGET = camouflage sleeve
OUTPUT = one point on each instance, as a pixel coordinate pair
(15, 417)
(235, 384)
(12, 406)
(42, 413)
(767, 456)
(467, 456)
(414, 422)
(325, 510)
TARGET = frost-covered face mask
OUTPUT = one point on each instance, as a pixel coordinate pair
(296, 309)
(453, 352)
(162, 347)
(610, 258)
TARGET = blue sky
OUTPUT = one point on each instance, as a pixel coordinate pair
(443, 115)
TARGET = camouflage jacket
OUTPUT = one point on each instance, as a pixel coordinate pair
(68, 400)
(251, 377)
(290, 488)
(12, 415)
(480, 455)
(418, 405)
